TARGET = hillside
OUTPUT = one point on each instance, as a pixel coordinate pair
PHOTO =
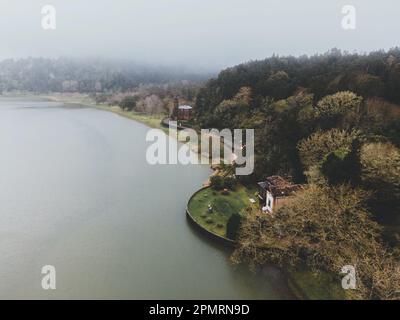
(332, 122)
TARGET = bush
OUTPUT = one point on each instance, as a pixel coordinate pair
(209, 220)
(216, 182)
(343, 166)
(230, 182)
(128, 103)
(220, 182)
(233, 225)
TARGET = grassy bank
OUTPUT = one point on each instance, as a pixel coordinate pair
(151, 120)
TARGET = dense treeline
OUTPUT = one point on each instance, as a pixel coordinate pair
(84, 75)
(331, 122)
(374, 74)
(278, 97)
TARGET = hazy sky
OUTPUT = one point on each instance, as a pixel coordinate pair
(198, 33)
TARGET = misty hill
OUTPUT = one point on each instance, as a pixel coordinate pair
(85, 75)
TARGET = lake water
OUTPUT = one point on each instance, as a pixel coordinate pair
(77, 193)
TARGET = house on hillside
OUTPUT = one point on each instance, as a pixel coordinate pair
(185, 112)
(276, 191)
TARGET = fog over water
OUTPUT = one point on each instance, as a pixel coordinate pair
(203, 35)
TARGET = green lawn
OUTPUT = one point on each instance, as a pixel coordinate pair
(223, 207)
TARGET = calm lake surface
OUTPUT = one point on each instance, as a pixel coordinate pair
(76, 192)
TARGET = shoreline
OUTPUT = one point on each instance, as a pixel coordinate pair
(151, 121)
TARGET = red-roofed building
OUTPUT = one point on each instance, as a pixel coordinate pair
(276, 191)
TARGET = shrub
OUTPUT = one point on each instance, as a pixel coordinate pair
(220, 182)
(216, 182)
(342, 166)
(233, 225)
(230, 182)
(381, 173)
(209, 220)
(128, 103)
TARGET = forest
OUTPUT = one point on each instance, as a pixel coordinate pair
(287, 99)
(332, 123)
